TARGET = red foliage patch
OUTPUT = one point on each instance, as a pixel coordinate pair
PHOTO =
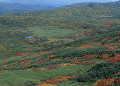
(40, 62)
(116, 58)
(23, 57)
(117, 33)
(4, 58)
(106, 82)
(5, 63)
(117, 82)
(17, 54)
(76, 62)
(52, 67)
(27, 44)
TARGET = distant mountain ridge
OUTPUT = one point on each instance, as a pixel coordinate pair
(26, 7)
(115, 5)
(82, 4)
(17, 7)
(56, 3)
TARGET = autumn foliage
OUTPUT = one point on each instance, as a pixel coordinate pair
(52, 67)
(45, 84)
(116, 58)
(17, 54)
(104, 82)
(117, 82)
(104, 56)
(76, 62)
(58, 79)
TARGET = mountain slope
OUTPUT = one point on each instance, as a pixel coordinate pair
(78, 46)
(16, 7)
(63, 17)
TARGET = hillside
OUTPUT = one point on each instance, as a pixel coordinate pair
(63, 17)
(69, 46)
(16, 7)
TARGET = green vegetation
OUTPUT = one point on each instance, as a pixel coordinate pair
(104, 70)
(69, 46)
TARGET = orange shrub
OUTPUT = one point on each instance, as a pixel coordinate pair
(67, 64)
(45, 84)
(1, 71)
(105, 82)
(117, 73)
(58, 79)
(42, 69)
(89, 56)
(104, 56)
(27, 64)
(111, 48)
(118, 40)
